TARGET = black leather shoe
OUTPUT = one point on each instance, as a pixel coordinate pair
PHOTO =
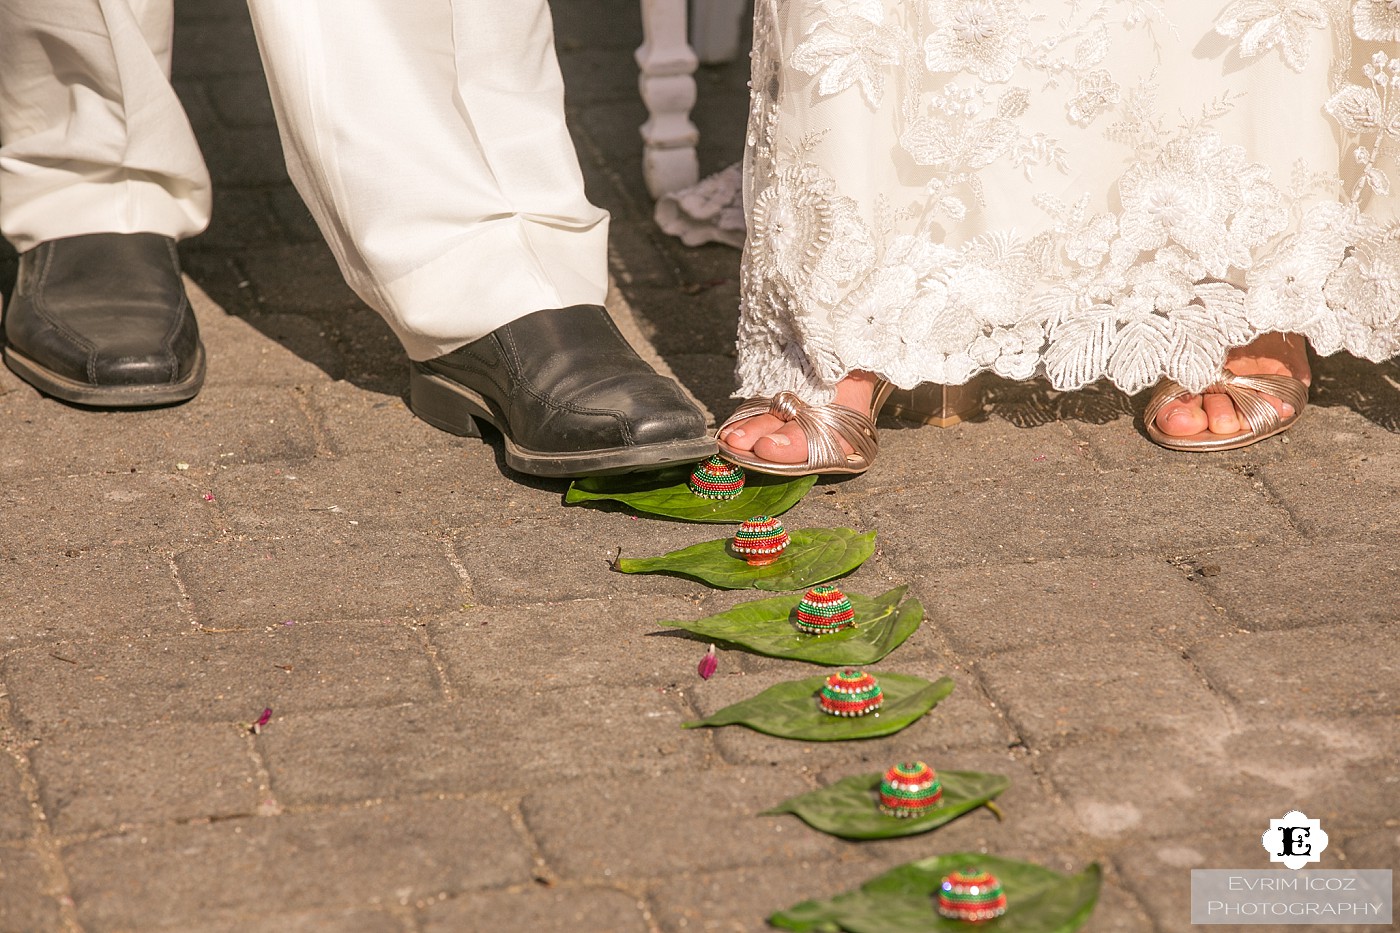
(102, 319)
(568, 393)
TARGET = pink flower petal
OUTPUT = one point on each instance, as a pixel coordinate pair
(708, 664)
(263, 720)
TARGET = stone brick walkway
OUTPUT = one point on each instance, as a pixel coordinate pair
(475, 724)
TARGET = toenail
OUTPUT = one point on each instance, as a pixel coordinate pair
(782, 440)
(1179, 417)
(734, 432)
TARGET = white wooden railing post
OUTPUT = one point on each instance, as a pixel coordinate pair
(667, 83)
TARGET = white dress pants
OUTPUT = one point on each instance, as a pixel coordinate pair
(427, 137)
(92, 137)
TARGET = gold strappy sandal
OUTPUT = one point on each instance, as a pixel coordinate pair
(1261, 418)
(826, 426)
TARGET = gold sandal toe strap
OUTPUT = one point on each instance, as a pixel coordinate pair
(826, 426)
(748, 408)
(1247, 392)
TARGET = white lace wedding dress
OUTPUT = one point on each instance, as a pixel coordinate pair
(1080, 188)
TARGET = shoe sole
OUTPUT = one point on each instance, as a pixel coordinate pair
(82, 393)
(454, 408)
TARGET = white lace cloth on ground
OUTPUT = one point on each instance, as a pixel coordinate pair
(1080, 188)
(709, 212)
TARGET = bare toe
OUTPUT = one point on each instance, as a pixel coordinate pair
(744, 434)
(1284, 409)
(786, 446)
(1183, 417)
(1220, 412)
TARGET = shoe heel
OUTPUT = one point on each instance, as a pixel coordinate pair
(436, 403)
(938, 405)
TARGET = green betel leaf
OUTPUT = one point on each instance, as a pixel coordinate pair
(904, 900)
(814, 555)
(765, 626)
(849, 808)
(666, 493)
(791, 710)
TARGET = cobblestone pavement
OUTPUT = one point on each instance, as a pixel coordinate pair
(1163, 651)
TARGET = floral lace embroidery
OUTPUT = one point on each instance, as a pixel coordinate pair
(1377, 20)
(981, 37)
(1095, 93)
(1191, 246)
(1261, 25)
(1372, 114)
(851, 47)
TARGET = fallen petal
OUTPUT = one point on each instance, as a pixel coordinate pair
(708, 664)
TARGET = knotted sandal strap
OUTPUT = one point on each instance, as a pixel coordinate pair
(824, 425)
(1246, 392)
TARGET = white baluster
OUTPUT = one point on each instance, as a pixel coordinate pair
(667, 83)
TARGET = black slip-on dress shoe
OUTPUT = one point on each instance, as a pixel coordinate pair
(102, 319)
(568, 393)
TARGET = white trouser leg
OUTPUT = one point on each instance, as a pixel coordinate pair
(428, 139)
(92, 137)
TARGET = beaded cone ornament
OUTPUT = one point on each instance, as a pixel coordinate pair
(760, 540)
(971, 895)
(909, 789)
(851, 693)
(717, 478)
(825, 609)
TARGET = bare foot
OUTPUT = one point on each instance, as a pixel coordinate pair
(784, 442)
(1272, 354)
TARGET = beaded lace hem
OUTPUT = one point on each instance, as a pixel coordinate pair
(1084, 189)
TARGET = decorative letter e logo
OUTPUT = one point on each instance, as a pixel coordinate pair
(1295, 840)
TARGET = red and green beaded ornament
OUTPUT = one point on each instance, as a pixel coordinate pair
(851, 693)
(717, 478)
(974, 896)
(825, 609)
(760, 540)
(909, 789)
